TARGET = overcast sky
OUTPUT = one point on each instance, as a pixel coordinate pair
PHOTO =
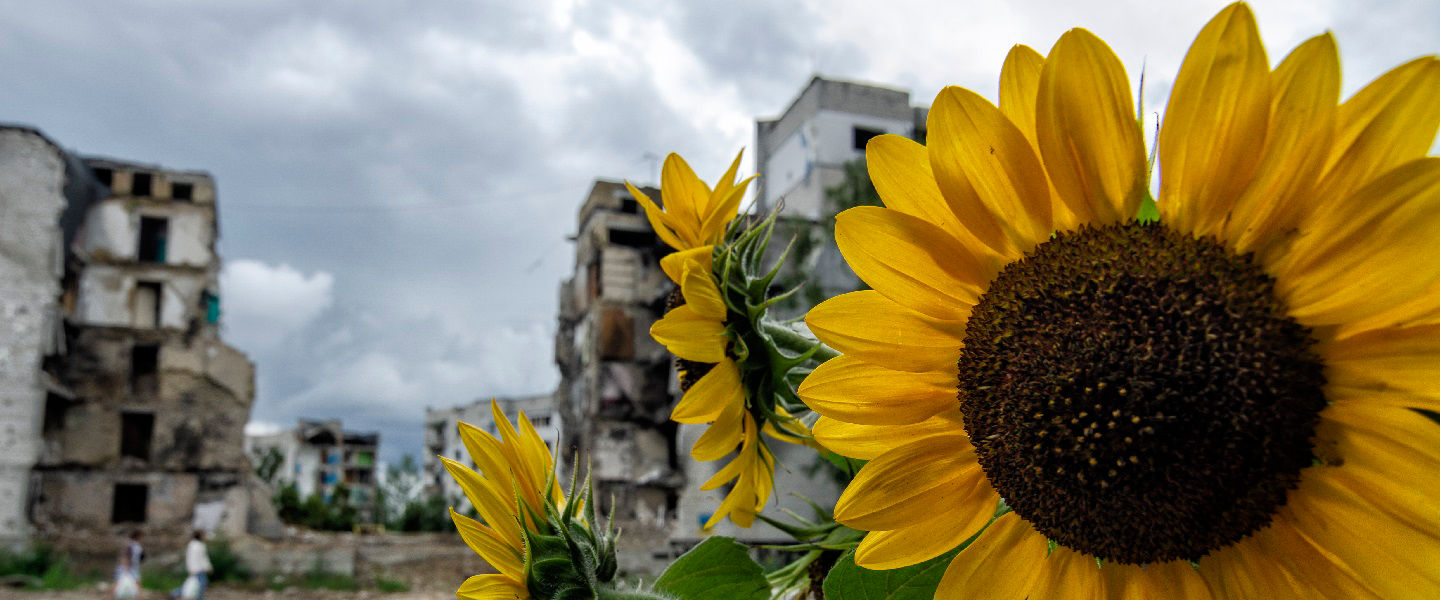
(396, 179)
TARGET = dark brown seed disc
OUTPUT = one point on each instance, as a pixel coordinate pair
(1139, 395)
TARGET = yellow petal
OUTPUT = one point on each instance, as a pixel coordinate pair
(659, 221)
(876, 330)
(489, 545)
(529, 473)
(903, 486)
(1339, 521)
(1406, 359)
(1085, 124)
(1390, 122)
(691, 336)
(866, 442)
(1215, 123)
(492, 587)
(1019, 87)
(674, 263)
(1319, 570)
(724, 185)
(910, 261)
(685, 195)
(855, 391)
(1241, 571)
(1174, 579)
(485, 451)
(701, 294)
(722, 212)
(494, 504)
(723, 436)
(718, 389)
(1068, 574)
(900, 170)
(1019, 90)
(973, 137)
(1368, 254)
(1302, 123)
(928, 539)
(1000, 564)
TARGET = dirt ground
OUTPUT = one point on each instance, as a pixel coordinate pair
(224, 593)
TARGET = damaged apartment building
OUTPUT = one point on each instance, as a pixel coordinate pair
(442, 436)
(614, 395)
(123, 408)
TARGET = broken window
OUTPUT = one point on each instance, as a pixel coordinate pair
(129, 503)
(617, 335)
(106, 177)
(146, 305)
(863, 135)
(144, 364)
(592, 278)
(631, 238)
(182, 191)
(140, 185)
(136, 429)
(629, 206)
(55, 409)
(154, 232)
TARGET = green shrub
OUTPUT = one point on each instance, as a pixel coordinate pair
(390, 586)
(226, 564)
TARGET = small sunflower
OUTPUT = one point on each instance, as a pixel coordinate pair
(512, 490)
(1218, 404)
(694, 216)
(723, 359)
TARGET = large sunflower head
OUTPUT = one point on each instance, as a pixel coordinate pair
(1218, 403)
(531, 531)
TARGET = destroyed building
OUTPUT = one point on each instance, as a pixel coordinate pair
(614, 395)
(136, 406)
(442, 437)
(318, 456)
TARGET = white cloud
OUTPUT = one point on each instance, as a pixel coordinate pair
(264, 304)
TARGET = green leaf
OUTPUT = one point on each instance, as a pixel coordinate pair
(848, 581)
(718, 569)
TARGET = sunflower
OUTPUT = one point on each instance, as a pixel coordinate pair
(712, 392)
(694, 216)
(514, 484)
(1220, 403)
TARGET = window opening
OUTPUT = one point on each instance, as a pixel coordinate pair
(140, 185)
(129, 503)
(182, 191)
(154, 233)
(105, 176)
(863, 135)
(136, 429)
(144, 365)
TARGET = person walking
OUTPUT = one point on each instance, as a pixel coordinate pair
(127, 569)
(197, 564)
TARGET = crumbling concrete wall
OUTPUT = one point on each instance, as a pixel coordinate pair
(32, 175)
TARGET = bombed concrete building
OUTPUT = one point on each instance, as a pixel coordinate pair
(614, 395)
(318, 456)
(140, 406)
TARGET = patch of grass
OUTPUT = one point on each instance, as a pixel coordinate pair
(161, 579)
(390, 586)
(47, 569)
(325, 580)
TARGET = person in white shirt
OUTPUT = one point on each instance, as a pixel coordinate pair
(197, 564)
